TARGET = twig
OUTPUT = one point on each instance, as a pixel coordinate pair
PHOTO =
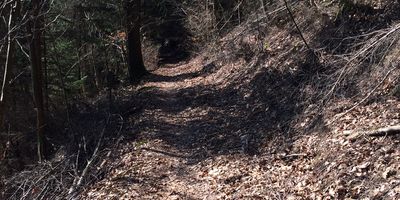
(79, 180)
(377, 38)
(366, 97)
(295, 23)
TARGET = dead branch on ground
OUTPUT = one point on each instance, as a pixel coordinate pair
(385, 131)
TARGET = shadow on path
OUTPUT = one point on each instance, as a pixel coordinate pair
(204, 121)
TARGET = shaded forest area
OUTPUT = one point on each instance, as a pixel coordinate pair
(200, 99)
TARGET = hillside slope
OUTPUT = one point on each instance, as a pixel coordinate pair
(220, 128)
(189, 145)
(259, 114)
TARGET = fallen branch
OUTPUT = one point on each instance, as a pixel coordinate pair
(386, 131)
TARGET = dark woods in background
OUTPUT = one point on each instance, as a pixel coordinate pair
(57, 53)
(54, 53)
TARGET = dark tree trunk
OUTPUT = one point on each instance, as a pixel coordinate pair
(46, 75)
(36, 27)
(136, 66)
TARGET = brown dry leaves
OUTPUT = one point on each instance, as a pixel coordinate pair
(181, 151)
(321, 165)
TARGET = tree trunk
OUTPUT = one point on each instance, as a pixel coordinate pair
(87, 70)
(36, 26)
(9, 60)
(46, 74)
(135, 58)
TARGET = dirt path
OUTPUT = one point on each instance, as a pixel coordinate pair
(199, 133)
(184, 123)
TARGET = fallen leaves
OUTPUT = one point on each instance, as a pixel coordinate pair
(194, 133)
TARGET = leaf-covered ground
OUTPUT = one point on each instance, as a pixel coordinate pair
(263, 119)
(191, 124)
(255, 116)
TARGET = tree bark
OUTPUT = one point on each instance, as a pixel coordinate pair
(36, 26)
(89, 72)
(136, 66)
(9, 59)
(46, 74)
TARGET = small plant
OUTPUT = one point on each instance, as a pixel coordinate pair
(266, 46)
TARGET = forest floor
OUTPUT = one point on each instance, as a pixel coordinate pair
(200, 132)
(257, 115)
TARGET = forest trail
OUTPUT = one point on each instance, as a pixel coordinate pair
(188, 139)
(199, 132)
(181, 129)
(244, 100)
